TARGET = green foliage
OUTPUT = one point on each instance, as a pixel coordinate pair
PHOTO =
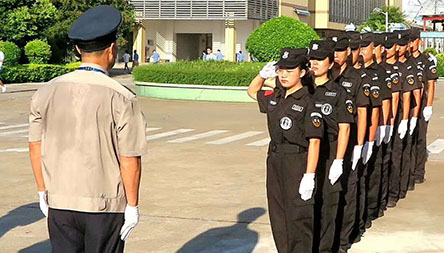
(33, 72)
(12, 53)
(430, 50)
(38, 52)
(440, 67)
(376, 21)
(267, 40)
(199, 72)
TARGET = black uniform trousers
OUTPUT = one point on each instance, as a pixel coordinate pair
(326, 199)
(386, 163)
(361, 212)
(76, 232)
(421, 146)
(374, 170)
(395, 168)
(291, 217)
(347, 208)
(406, 165)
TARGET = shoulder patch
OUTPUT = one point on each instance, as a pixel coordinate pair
(316, 119)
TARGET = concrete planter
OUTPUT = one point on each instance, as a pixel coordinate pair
(193, 92)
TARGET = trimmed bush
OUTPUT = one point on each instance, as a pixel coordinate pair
(38, 52)
(430, 50)
(12, 53)
(199, 72)
(34, 72)
(266, 41)
(440, 67)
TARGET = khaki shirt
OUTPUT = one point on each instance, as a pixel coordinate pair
(85, 120)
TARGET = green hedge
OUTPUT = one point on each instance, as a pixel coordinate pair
(440, 68)
(34, 72)
(38, 52)
(12, 53)
(199, 72)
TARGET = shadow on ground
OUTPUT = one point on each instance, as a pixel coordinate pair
(23, 216)
(236, 238)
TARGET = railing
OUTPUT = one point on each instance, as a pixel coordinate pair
(205, 10)
(352, 11)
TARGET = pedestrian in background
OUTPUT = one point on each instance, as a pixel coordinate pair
(219, 55)
(126, 59)
(88, 180)
(240, 57)
(155, 57)
(2, 58)
(210, 55)
(204, 55)
(135, 60)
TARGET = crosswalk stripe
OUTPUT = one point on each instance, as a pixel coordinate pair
(260, 143)
(13, 126)
(436, 147)
(234, 138)
(14, 132)
(150, 129)
(14, 150)
(168, 134)
(198, 136)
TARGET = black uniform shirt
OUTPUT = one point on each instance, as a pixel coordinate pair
(371, 89)
(395, 76)
(351, 80)
(379, 75)
(335, 105)
(410, 74)
(291, 120)
(428, 68)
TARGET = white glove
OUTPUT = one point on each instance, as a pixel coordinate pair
(367, 151)
(307, 186)
(380, 135)
(335, 170)
(402, 128)
(356, 155)
(413, 121)
(388, 134)
(428, 112)
(131, 220)
(43, 202)
(269, 71)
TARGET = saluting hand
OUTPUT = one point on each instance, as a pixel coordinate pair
(131, 220)
(269, 70)
(43, 202)
(307, 186)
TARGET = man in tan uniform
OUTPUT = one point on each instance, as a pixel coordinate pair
(86, 139)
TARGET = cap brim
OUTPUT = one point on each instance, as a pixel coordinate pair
(364, 43)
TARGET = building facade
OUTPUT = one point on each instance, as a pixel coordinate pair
(183, 29)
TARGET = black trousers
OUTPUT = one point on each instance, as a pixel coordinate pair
(406, 165)
(386, 163)
(326, 202)
(76, 232)
(421, 150)
(374, 169)
(395, 168)
(347, 208)
(291, 217)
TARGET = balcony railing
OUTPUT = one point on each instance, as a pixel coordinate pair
(206, 10)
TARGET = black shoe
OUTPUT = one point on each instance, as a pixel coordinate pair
(419, 180)
(368, 223)
(411, 187)
(391, 203)
(380, 213)
(402, 196)
(342, 251)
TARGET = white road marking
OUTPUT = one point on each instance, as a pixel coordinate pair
(167, 134)
(14, 150)
(150, 129)
(260, 143)
(198, 136)
(234, 138)
(14, 132)
(13, 126)
(436, 147)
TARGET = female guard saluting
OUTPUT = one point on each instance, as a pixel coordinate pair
(295, 128)
(337, 112)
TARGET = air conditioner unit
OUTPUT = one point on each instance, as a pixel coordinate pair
(302, 12)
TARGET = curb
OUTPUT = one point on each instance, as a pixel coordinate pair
(193, 92)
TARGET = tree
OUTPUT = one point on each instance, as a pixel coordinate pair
(376, 21)
(267, 40)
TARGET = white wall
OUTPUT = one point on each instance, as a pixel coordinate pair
(163, 33)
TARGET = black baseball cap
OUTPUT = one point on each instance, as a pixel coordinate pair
(355, 39)
(378, 38)
(415, 34)
(342, 42)
(391, 39)
(96, 29)
(292, 58)
(321, 49)
(366, 39)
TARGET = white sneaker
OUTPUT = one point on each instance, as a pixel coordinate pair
(3, 88)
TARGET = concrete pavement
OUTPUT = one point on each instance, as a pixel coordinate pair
(201, 197)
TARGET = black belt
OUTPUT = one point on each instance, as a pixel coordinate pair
(286, 148)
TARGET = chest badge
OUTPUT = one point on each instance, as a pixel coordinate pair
(326, 109)
(297, 108)
(286, 123)
(316, 119)
(347, 84)
(433, 70)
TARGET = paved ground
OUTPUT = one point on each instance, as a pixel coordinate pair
(203, 184)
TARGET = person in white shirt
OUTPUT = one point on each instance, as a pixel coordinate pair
(126, 59)
(2, 58)
(210, 55)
